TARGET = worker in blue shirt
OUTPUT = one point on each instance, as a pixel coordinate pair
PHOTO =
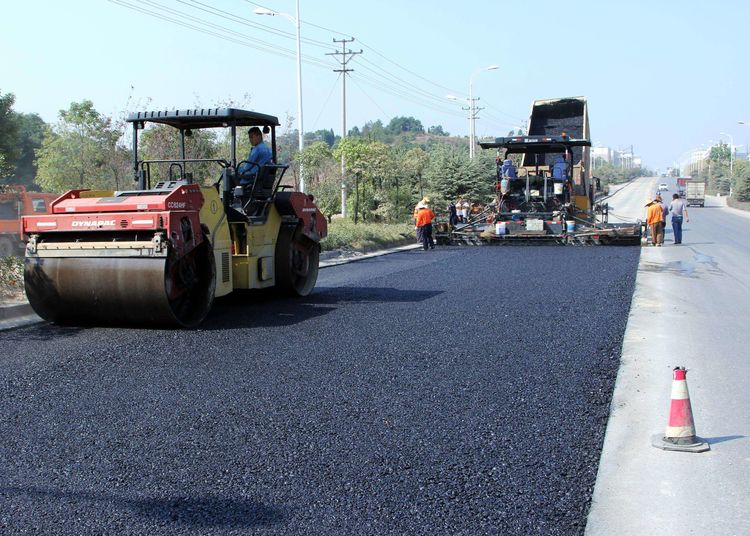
(508, 170)
(560, 168)
(259, 156)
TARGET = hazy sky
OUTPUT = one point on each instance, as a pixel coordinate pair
(665, 76)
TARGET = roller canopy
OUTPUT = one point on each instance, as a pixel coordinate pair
(205, 118)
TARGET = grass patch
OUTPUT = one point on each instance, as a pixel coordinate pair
(343, 234)
(741, 205)
(11, 279)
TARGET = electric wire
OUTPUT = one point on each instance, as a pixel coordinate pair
(404, 95)
(200, 26)
(374, 76)
(371, 99)
(322, 108)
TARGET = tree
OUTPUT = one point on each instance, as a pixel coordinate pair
(324, 135)
(741, 187)
(369, 163)
(452, 174)
(316, 159)
(398, 125)
(9, 150)
(437, 130)
(374, 130)
(413, 163)
(30, 134)
(76, 152)
(162, 142)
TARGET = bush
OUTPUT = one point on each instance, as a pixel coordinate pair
(344, 234)
(11, 277)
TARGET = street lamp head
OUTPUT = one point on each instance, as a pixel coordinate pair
(264, 11)
(451, 97)
(741, 123)
(491, 67)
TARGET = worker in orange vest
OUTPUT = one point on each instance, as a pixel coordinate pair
(424, 224)
(655, 221)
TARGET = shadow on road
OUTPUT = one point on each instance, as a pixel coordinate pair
(209, 511)
(722, 439)
(40, 332)
(252, 309)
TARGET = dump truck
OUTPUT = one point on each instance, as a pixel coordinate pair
(15, 202)
(682, 185)
(695, 193)
(550, 196)
(160, 254)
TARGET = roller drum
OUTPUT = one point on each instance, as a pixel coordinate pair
(149, 291)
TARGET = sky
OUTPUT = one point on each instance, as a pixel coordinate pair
(665, 77)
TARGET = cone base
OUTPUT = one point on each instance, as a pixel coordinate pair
(697, 445)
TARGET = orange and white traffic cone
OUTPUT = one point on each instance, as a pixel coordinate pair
(680, 432)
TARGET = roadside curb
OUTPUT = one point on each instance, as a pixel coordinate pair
(17, 315)
(15, 310)
(357, 256)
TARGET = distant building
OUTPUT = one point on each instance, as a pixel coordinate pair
(600, 155)
(619, 159)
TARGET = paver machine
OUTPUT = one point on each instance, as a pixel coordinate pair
(160, 254)
(551, 196)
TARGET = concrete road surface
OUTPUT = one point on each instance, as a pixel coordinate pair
(691, 307)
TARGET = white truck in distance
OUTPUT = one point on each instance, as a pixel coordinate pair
(695, 193)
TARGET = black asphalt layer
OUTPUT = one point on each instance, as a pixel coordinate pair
(456, 391)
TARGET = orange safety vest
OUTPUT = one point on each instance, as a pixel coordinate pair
(655, 213)
(424, 216)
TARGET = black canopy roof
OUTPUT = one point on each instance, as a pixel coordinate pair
(539, 144)
(205, 118)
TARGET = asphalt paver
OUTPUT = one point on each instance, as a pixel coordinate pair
(463, 390)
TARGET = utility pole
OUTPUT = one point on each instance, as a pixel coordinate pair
(346, 55)
(473, 111)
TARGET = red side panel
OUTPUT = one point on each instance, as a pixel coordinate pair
(314, 224)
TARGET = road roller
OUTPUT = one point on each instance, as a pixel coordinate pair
(194, 229)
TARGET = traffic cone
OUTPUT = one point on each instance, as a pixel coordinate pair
(680, 432)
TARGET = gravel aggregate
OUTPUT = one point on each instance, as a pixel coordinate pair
(456, 391)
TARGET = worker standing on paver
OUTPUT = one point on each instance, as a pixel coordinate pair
(655, 221)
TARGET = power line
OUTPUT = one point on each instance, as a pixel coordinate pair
(322, 108)
(378, 78)
(409, 71)
(200, 25)
(370, 98)
(405, 95)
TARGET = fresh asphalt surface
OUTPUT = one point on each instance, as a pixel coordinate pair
(464, 390)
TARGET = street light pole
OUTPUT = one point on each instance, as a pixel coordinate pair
(731, 149)
(472, 108)
(300, 128)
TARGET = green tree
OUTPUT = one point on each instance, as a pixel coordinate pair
(317, 159)
(741, 186)
(31, 132)
(368, 163)
(375, 131)
(9, 137)
(76, 152)
(162, 142)
(413, 164)
(452, 175)
(437, 130)
(398, 125)
(324, 135)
